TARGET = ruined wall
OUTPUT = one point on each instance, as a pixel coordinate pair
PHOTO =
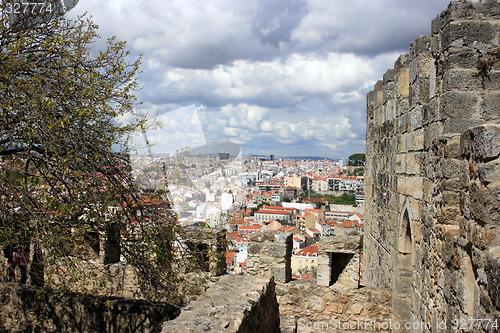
(432, 182)
(270, 254)
(328, 261)
(36, 310)
(234, 304)
(313, 308)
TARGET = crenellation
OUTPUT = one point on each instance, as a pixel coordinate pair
(432, 214)
(465, 10)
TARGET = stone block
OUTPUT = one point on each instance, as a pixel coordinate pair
(450, 184)
(488, 172)
(452, 230)
(419, 90)
(450, 215)
(255, 248)
(379, 94)
(390, 109)
(491, 81)
(458, 125)
(459, 104)
(451, 145)
(389, 76)
(417, 188)
(416, 118)
(451, 198)
(431, 132)
(413, 163)
(415, 140)
(452, 168)
(402, 106)
(432, 78)
(482, 142)
(277, 250)
(430, 112)
(400, 166)
(279, 273)
(490, 106)
(401, 63)
(419, 46)
(323, 258)
(370, 105)
(282, 237)
(479, 34)
(323, 275)
(460, 57)
(462, 80)
(403, 123)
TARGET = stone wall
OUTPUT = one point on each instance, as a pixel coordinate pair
(270, 254)
(313, 308)
(37, 310)
(234, 304)
(329, 261)
(432, 185)
(202, 257)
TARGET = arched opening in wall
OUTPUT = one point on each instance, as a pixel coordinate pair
(403, 290)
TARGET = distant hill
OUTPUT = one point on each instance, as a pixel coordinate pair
(311, 158)
(215, 148)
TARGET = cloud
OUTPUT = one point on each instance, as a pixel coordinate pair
(281, 82)
(286, 77)
(172, 131)
(366, 27)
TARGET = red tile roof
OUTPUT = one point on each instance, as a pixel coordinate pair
(308, 251)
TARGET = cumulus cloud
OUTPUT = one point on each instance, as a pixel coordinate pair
(171, 131)
(367, 27)
(285, 77)
(274, 83)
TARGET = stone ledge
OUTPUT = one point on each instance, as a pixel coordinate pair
(234, 304)
(28, 309)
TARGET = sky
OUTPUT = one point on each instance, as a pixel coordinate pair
(282, 77)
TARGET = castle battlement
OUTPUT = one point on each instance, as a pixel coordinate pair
(432, 186)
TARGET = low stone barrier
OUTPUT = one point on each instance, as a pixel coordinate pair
(25, 309)
(234, 304)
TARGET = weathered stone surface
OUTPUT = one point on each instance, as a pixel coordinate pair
(270, 254)
(433, 194)
(340, 244)
(32, 310)
(302, 306)
(459, 104)
(233, 304)
(482, 142)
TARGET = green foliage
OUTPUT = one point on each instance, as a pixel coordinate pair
(344, 199)
(60, 178)
(357, 159)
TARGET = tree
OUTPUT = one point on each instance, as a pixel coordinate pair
(357, 159)
(65, 175)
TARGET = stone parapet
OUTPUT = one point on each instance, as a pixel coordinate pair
(41, 310)
(270, 254)
(234, 304)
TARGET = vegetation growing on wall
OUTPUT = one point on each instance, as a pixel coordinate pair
(64, 170)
